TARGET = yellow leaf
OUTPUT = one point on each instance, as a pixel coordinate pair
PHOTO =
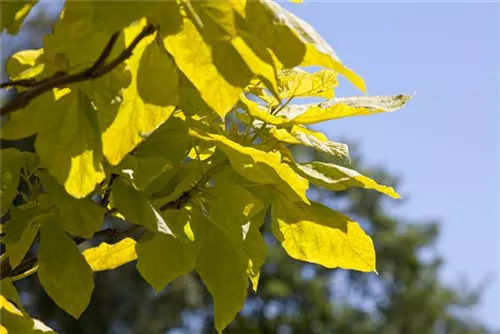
(26, 64)
(217, 71)
(317, 234)
(293, 41)
(163, 258)
(260, 167)
(257, 111)
(68, 143)
(147, 102)
(106, 256)
(339, 178)
(299, 83)
(260, 64)
(343, 107)
(63, 271)
(303, 136)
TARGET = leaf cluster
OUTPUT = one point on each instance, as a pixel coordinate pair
(175, 118)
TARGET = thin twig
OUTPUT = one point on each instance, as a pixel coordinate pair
(95, 71)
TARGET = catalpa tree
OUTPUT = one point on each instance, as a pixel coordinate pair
(162, 135)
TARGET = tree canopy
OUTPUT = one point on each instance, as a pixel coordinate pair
(162, 134)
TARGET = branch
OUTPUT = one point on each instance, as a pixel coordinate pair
(29, 263)
(105, 199)
(97, 70)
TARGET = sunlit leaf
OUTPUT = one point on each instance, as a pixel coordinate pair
(110, 256)
(147, 102)
(317, 234)
(343, 107)
(299, 83)
(68, 143)
(338, 178)
(301, 135)
(217, 71)
(260, 167)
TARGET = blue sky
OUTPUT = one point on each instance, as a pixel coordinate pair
(445, 142)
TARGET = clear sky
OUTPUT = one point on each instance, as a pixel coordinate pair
(445, 142)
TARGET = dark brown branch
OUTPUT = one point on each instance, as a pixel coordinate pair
(23, 83)
(107, 193)
(98, 69)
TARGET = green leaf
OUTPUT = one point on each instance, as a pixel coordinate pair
(216, 19)
(147, 102)
(343, 107)
(239, 215)
(9, 291)
(14, 13)
(169, 141)
(80, 217)
(224, 273)
(296, 82)
(136, 209)
(141, 171)
(63, 271)
(10, 166)
(339, 178)
(20, 232)
(317, 234)
(69, 143)
(18, 321)
(216, 70)
(260, 167)
(301, 135)
(163, 258)
(106, 256)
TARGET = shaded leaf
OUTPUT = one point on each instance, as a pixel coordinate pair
(136, 209)
(80, 217)
(163, 258)
(216, 262)
(10, 166)
(14, 13)
(63, 271)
